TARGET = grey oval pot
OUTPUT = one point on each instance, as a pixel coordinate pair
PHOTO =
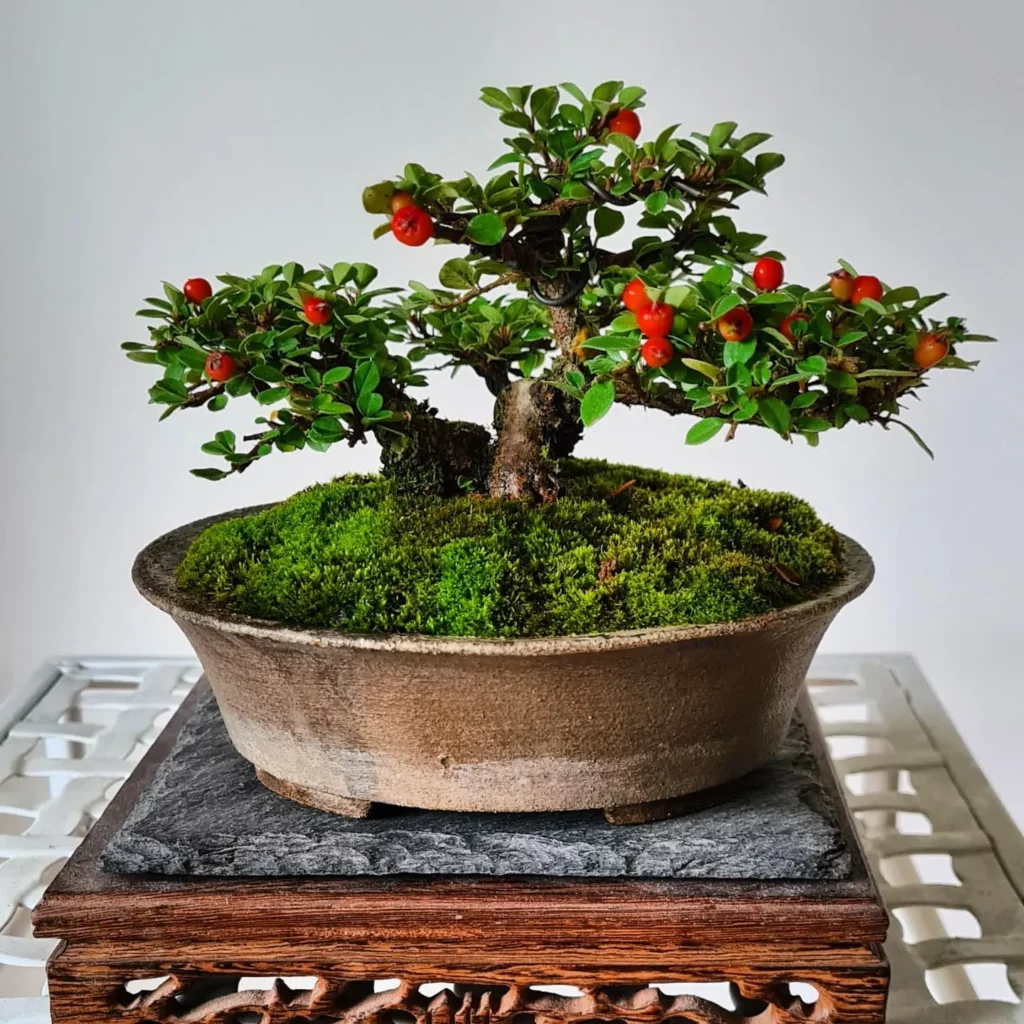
(450, 723)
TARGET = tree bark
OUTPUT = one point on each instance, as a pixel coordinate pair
(518, 471)
(535, 424)
(436, 456)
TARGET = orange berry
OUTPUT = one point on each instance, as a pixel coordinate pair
(736, 325)
(930, 350)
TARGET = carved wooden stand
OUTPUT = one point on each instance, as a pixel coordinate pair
(494, 940)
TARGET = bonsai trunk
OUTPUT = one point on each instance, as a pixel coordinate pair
(536, 423)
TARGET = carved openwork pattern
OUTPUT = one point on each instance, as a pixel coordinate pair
(209, 1001)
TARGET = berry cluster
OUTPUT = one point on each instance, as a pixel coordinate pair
(655, 319)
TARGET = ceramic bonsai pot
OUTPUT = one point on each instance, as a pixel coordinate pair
(341, 721)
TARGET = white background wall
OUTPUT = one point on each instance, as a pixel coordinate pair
(151, 140)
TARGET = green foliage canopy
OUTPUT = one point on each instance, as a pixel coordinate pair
(536, 292)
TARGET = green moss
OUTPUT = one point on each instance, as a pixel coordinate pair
(356, 554)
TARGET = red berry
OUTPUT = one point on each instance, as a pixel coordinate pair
(412, 225)
(841, 284)
(196, 289)
(655, 319)
(318, 311)
(634, 295)
(929, 351)
(400, 200)
(866, 287)
(736, 325)
(768, 274)
(625, 122)
(787, 325)
(656, 351)
(220, 366)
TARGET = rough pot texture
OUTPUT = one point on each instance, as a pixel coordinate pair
(563, 723)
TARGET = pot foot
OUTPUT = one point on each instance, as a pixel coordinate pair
(673, 807)
(318, 798)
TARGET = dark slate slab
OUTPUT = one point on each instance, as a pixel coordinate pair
(206, 814)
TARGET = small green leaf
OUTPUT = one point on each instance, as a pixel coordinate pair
(496, 98)
(369, 403)
(738, 352)
(746, 409)
(607, 221)
(720, 134)
(908, 293)
(607, 91)
(486, 229)
(850, 337)
(623, 142)
(724, 304)
(376, 199)
(774, 414)
(266, 373)
(584, 160)
(873, 304)
(337, 375)
(811, 424)
(750, 141)
(656, 202)
(367, 377)
(841, 381)
(805, 399)
(764, 163)
(272, 395)
(813, 364)
(720, 274)
(709, 370)
(326, 430)
(576, 190)
(703, 430)
(777, 335)
(530, 362)
(682, 296)
(596, 402)
(364, 274)
(457, 274)
(208, 473)
(878, 372)
(914, 434)
(574, 91)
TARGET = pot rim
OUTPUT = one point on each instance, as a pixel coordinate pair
(153, 574)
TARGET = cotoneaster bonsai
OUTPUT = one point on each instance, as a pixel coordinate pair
(491, 624)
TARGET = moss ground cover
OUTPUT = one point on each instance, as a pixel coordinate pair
(666, 550)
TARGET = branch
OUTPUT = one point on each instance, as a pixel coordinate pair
(677, 243)
(479, 290)
(202, 396)
(630, 391)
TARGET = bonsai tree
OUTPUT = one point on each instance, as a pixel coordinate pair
(558, 318)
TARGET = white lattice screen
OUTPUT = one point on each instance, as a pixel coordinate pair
(948, 862)
(72, 737)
